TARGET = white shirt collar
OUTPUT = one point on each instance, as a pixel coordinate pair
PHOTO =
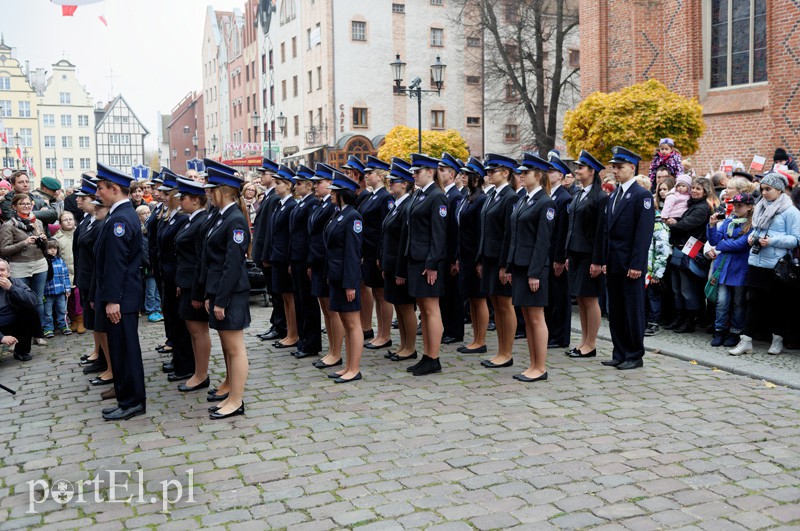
(448, 187)
(625, 187)
(115, 205)
(533, 192)
(425, 189)
(587, 189)
(400, 200)
(553, 189)
(222, 211)
(488, 188)
(284, 199)
(196, 213)
(500, 188)
(326, 198)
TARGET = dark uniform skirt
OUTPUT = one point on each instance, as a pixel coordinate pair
(418, 286)
(237, 314)
(187, 312)
(395, 294)
(88, 311)
(521, 291)
(338, 298)
(319, 284)
(281, 279)
(371, 274)
(490, 281)
(581, 284)
(99, 319)
(469, 280)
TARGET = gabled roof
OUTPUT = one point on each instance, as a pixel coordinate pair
(113, 104)
(64, 63)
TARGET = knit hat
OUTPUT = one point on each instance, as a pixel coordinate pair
(685, 179)
(775, 180)
(780, 154)
(5, 184)
(51, 183)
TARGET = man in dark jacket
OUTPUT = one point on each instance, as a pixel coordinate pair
(17, 313)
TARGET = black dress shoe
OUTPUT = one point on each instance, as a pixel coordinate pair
(571, 350)
(213, 409)
(630, 364)
(299, 354)
(99, 365)
(449, 340)
(86, 361)
(404, 358)
(22, 357)
(373, 346)
(319, 364)
(84, 357)
(333, 375)
(342, 380)
(389, 354)
(107, 410)
(395, 325)
(278, 344)
(369, 334)
(417, 365)
(172, 377)
(557, 345)
(577, 354)
(216, 415)
(476, 350)
(212, 391)
(519, 335)
(491, 327)
(183, 388)
(272, 336)
(522, 378)
(489, 365)
(100, 381)
(610, 363)
(430, 366)
(164, 350)
(125, 414)
(217, 398)
(167, 367)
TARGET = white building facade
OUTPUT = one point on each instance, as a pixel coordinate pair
(119, 136)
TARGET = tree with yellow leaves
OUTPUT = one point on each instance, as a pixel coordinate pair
(636, 117)
(401, 142)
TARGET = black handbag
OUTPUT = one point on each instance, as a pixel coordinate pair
(256, 276)
(787, 270)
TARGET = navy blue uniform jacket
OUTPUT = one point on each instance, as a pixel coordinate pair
(188, 250)
(118, 255)
(226, 251)
(316, 226)
(495, 237)
(427, 228)
(260, 226)
(373, 211)
(586, 227)
(531, 232)
(343, 241)
(629, 230)
(558, 245)
(279, 228)
(167, 231)
(391, 240)
(298, 227)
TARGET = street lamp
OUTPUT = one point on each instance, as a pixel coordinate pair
(194, 142)
(415, 91)
(256, 118)
(213, 143)
(282, 123)
(16, 145)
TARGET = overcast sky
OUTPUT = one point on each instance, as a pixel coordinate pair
(153, 47)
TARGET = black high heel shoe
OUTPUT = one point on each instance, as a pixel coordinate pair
(216, 415)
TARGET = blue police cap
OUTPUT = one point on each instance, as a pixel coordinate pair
(554, 158)
(374, 163)
(221, 178)
(268, 165)
(169, 180)
(156, 178)
(196, 165)
(342, 182)
(353, 163)
(533, 162)
(99, 203)
(87, 187)
(419, 160)
(323, 171)
(104, 173)
(449, 161)
(398, 173)
(401, 162)
(220, 167)
(285, 173)
(586, 159)
(622, 155)
(304, 173)
(474, 165)
(190, 187)
(493, 161)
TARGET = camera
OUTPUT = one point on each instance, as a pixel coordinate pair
(756, 247)
(720, 211)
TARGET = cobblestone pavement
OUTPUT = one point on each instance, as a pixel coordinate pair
(674, 445)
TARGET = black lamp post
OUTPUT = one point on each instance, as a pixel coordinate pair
(282, 123)
(415, 90)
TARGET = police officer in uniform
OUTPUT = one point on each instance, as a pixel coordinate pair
(451, 304)
(558, 314)
(306, 305)
(343, 240)
(630, 218)
(118, 253)
(280, 252)
(354, 170)
(529, 259)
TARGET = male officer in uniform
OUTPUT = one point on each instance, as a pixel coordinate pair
(558, 314)
(451, 304)
(630, 217)
(119, 292)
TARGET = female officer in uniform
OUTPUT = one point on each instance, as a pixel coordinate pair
(425, 256)
(172, 220)
(392, 249)
(316, 266)
(280, 252)
(495, 238)
(343, 241)
(585, 243)
(529, 260)
(226, 284)
(373, 210)
(188, 251)
(468, 220)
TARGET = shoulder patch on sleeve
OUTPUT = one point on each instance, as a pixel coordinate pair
(238, 235)
(551, 213)
(119, 229)
(357, 226)
(648, 202)
(443, 211)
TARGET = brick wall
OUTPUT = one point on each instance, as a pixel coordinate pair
(629, 41)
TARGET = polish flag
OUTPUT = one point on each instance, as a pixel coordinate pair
(692, 247)
(19, 153)
(68, 11)
(3, 135)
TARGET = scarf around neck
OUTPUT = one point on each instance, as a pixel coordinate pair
(766, 211)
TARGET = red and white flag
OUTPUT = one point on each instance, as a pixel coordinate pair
(692, 247)
(3, 135)
(19, 153)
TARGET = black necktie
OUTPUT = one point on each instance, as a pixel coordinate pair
(616, 199)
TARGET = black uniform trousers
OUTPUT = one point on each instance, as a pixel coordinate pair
(278, 318)
(452, 307)
(306, 308)
(25, 326)
(558, 314)
(126, 359)
(182, 351)
(626, 316)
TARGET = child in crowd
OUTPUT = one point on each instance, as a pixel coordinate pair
(64, 238)
(663, 191)
(56, 292)
(731, 251)
(677, 200)
(152, 300)
(657, 256)
(666, 156)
